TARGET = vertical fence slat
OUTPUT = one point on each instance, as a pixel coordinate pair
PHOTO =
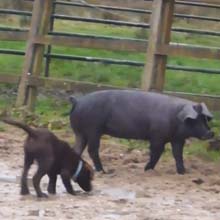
(161, 22)
(34, 52)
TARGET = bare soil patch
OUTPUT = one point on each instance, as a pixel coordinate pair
(126, 193)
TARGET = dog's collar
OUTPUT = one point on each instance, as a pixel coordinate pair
(78, 170)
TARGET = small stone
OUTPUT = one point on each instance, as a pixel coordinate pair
(198, 181)
(55, 125)
(214, 145)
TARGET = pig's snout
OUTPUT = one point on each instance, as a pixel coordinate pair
(208, 135)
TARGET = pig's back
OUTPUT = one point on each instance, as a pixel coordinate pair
(140, 114)
(125, 100)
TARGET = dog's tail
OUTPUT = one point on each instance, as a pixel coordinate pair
(21, 125)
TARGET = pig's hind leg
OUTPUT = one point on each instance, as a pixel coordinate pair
(156, 149)
(93, 150)
(80, 144)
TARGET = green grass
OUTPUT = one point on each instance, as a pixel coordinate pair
(200, 149)
(96, 29)
(192, 82)
(120, 75)
(49, 110)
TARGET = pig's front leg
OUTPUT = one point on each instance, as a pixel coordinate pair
(177, 149)
(93, 150)
(156, 149)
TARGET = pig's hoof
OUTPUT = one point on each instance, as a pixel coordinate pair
(110, 171)
(181, 171)
(101, 170)
(24, 192)
(72, 193)
(42, 195)
(148, 167)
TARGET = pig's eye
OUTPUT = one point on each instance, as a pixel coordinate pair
(204, 119)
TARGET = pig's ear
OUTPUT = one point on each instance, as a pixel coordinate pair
(206, 112)
(187, 112)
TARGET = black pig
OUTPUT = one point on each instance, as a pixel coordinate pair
(138, 115)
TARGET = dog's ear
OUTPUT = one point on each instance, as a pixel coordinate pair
(85, 177)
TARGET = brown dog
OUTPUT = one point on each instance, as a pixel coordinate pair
(54, 157)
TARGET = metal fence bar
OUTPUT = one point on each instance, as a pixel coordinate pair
(100, 60)
(14, 29)
(15, 12)
(195, 31)
(206, 5)
(203, 18)
(193, 69)
(201, 2)
(132, 63)
(12, 52)
(101, 21)
(114, 61)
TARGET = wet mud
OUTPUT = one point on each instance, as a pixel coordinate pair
(126, 193)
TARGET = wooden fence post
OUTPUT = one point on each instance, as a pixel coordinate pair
(42, 10)
(161, 21)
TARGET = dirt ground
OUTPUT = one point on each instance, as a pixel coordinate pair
(128, 193)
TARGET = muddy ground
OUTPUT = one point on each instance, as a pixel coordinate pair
(128, 193)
